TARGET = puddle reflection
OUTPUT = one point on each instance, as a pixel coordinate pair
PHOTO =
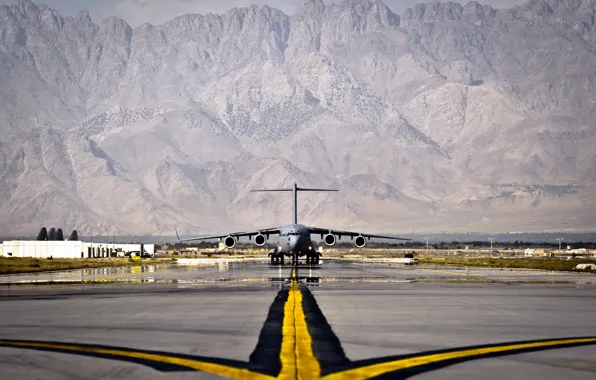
(111, 271)
(215, 272)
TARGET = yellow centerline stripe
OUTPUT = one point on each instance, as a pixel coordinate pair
(288, 343)
(308, 365)
(217, 369)
(297, 357)
(396, 365)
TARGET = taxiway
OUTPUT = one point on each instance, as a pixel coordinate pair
(343, 320)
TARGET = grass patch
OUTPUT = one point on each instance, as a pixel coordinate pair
(11, 265)
(525, 263)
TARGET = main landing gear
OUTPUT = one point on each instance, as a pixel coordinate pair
(277, 259)
(312, 258)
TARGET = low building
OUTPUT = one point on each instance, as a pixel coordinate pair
(71, 249)
(91, 250)
(42, 249)
(578, 251)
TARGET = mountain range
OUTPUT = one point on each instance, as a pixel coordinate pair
(447, 118)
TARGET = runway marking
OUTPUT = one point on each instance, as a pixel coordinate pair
(407, 366)
(159, 361)
(297, 342)
(297, 357)
(399, 367)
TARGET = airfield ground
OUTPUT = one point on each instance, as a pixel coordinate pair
(343, 319)
(470, 258)
(11, 265)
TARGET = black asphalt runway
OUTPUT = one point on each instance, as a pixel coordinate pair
(340, 320)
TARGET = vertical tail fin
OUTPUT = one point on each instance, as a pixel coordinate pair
(295, 189)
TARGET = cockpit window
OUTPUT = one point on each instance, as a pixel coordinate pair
(291, 233)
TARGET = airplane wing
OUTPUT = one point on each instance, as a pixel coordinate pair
(340, 233)
(266, 232)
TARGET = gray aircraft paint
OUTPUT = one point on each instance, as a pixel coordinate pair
(294, 239)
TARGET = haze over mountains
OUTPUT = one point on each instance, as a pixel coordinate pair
(445, 118)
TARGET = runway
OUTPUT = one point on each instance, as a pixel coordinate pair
(258, 272)
(343, 320)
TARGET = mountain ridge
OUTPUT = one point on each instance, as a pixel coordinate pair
(431, 112)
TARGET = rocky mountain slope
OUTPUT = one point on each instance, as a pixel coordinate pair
(446, 118)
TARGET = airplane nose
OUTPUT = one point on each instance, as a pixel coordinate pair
(294, 240)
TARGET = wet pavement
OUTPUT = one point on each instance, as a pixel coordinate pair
(339, 320)
(329, 272)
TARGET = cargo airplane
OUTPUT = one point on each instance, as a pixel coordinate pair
(294, 239)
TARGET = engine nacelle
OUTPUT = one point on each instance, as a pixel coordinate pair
(230, 242)
(360, 241)
(260, 240)
(329, 239)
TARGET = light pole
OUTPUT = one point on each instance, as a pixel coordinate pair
(426, 239)
(559, 240)
(491, 245)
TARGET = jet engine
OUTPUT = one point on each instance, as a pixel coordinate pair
(329, 239)
(230, 241)
(260, 240)
(360, 241)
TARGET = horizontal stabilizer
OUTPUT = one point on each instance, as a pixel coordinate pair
(295, 189)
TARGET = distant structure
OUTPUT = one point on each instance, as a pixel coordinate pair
(51, 244)
(55, 235)
(42, 235)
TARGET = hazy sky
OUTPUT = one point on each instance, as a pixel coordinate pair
(135, 12)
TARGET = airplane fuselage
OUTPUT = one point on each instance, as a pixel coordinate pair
(294, 239)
